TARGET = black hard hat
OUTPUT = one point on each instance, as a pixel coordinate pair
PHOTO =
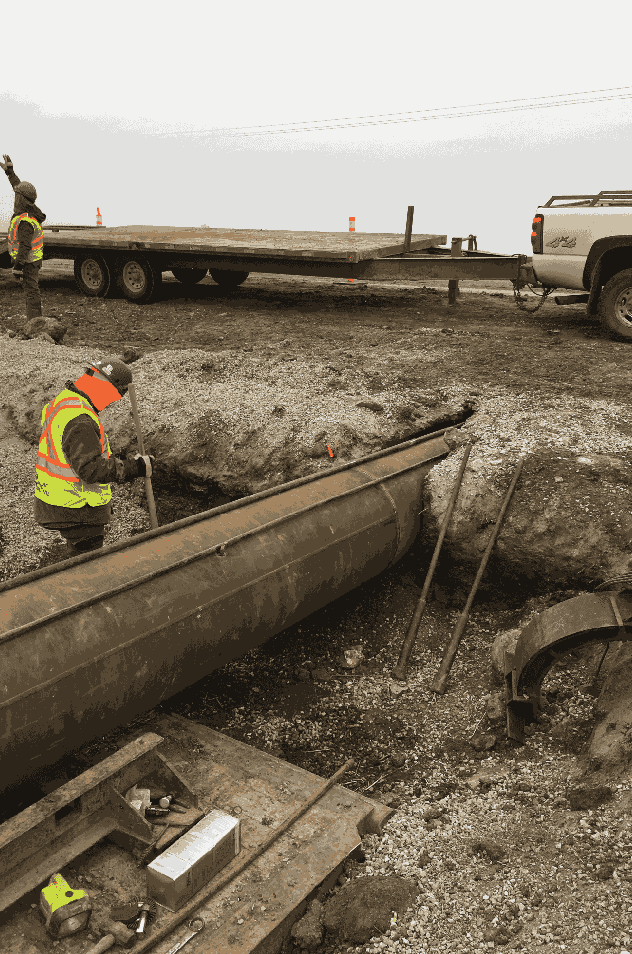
(115, 371)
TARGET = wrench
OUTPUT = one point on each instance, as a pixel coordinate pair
(192, 932)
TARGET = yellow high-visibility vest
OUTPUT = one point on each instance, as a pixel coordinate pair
(37, 242)
(56, 482)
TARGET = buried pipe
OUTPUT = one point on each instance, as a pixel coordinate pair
(399, 672)
(441, 678)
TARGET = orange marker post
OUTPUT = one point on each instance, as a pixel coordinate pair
(351, 229)
(99, 217)
(331, 453)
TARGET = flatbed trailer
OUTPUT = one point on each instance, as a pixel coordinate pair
(132, 259)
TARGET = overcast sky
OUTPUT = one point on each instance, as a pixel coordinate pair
(101, 108)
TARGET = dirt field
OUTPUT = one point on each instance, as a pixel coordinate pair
(317, 721)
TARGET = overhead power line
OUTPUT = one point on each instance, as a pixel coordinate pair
(423, 115)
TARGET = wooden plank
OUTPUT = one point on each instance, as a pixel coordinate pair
(331, 246)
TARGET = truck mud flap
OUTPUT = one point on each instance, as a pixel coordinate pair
(590, 618)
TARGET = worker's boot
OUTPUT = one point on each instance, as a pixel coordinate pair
(85, 545)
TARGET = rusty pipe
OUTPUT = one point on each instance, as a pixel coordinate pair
(149, 493)
(399, 672)
(446, 663)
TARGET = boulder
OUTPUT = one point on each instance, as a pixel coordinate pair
(495, 707)
(504, 642)
(308, 932)
(364, 907)
(49, 326)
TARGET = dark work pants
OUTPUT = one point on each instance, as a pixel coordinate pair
(31, 290)
(80, 537)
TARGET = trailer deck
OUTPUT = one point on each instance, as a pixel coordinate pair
(282, 244)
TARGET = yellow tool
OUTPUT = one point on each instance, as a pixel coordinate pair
(65, 911)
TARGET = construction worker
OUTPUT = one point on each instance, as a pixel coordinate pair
(26, 239)
(74, 464)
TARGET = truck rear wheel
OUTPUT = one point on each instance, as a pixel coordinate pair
(615, 305)
(189, 276)
(93, 275)
(227, 277)
(137, 278)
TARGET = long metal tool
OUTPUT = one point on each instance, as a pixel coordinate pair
(441, 678)
(399, 672)
(131, 390)
(218, 883)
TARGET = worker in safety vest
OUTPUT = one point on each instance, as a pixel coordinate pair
(74, 462)
(26, 239)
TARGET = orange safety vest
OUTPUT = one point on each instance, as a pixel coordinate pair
(37, 241)
(56, 482)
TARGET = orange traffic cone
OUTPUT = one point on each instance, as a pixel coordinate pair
(99, 217)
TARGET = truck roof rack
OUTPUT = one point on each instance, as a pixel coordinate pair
(605, 197)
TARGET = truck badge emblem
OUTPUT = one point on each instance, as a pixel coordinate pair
(564, 241)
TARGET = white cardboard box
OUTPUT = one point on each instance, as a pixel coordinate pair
(191, 861)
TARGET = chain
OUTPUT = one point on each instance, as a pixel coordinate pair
(521, 302)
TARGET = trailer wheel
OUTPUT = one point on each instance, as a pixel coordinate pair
(93, 275)
(227, 277)
(137, 278)
(189, 276)
(615, 305)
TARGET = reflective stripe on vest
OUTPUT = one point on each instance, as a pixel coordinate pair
(37, 241)
(57, 483)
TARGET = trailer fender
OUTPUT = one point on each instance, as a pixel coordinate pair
(590, 618)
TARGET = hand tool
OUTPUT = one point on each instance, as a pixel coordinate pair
(247, 858)
(399, 672)
(441, 678)
(118, 934)
(131, 390)
(147, 913)
(192, 932)
(65, 911)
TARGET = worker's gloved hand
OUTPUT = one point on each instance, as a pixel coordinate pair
(7, 164)
(18, 274)
(144, 464)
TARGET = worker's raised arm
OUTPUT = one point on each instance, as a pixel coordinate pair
(7, 165)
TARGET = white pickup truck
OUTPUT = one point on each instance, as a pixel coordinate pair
(586, 243)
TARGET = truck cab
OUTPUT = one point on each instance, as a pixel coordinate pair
(584, 242)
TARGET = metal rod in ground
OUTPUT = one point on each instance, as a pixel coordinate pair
(131, 390)
(446, 663)
(409, 228)
(592, 688)
(399, 672)
(218, 883)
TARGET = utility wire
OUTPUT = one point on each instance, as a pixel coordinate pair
(416, 115)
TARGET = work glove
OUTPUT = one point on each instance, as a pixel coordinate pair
(7, 164)
(144, 464)
(18, 274)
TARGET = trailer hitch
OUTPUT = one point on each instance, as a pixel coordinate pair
(591, 618)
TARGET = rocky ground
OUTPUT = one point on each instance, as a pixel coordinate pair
(504, 845)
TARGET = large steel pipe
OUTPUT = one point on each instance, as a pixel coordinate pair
(90, 644)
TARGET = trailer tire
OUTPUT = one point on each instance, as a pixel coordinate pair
(615, 305)
(228, 277)
(93, 275)
(137, 278)
(189, 276)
